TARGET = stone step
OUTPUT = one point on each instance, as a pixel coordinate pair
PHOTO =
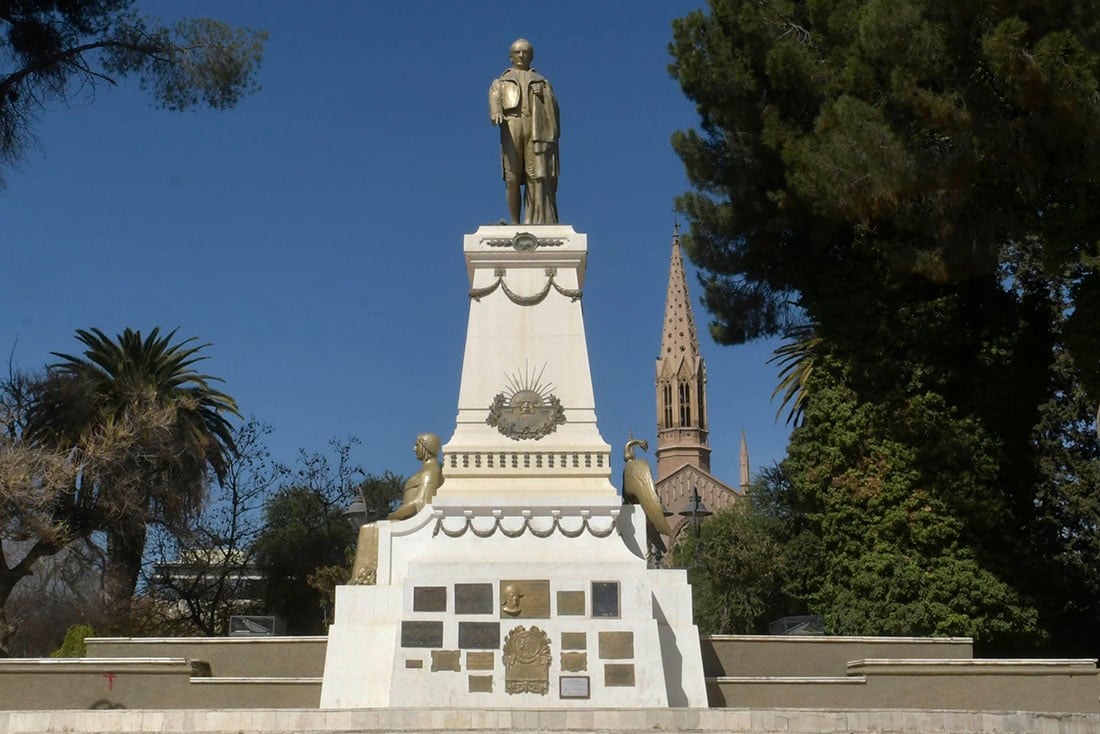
(538, 721)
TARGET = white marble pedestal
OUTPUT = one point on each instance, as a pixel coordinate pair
(524, 584)
(433, 634)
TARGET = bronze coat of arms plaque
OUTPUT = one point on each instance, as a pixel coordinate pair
(527, 409)
(527, 661)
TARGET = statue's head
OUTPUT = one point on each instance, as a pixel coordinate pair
(428, 443)
(522, 53)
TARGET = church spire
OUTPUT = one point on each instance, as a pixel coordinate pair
(744, 463)
(678, 336)
(681, 379)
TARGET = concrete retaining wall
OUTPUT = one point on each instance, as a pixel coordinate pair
(968, 685)
(82, 683)
(233, 657)
(817, 655)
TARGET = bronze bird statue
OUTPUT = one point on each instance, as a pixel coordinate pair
(638, 489)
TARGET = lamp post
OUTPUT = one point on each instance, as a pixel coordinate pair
(356, 514)
(697, 512)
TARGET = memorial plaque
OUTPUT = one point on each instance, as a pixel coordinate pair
(429, 598)
(618, 675)
(574, 662)
(479, 635)
(605, 599)
(574, 641)
(480, 660)
(473, 598)
(414, 663)
(571, 603)
(526, 661)
(480, 683)
(524, 599)
(616, 645)
(421, 634)
(573, 686)
(446, 660)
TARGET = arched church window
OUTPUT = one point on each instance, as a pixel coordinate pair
(700, 390)
(685, 404)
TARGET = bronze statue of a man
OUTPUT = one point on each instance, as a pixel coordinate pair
(522, 103)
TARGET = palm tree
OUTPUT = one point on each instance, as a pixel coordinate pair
(796, 362)
(160, 430)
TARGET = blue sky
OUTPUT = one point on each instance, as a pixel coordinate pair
(314, 233)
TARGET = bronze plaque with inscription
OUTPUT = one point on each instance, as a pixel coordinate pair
(524, 599)
(574, 662)
(574, 641)
(414, 663)
(480, 684)
(421, 634)
(526, 661)
(616, 645)
(571, 603)
(473, 598)
(480, 660)
(618, 675)
(605, 599)
(479, 635)
(429, 598)
(446, 660)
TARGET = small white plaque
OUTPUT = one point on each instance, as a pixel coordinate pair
(573, 686)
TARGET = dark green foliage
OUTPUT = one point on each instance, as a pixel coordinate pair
(898, 492)
(914, 183)
(380, 493)
(50, 49)
(862, 145)
(307, 544)
(739, 568)
(304, 530)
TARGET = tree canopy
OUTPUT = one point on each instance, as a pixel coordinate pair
(50, 51)
(162, 426)
(307, 544)
(857, 146)
(907, 188)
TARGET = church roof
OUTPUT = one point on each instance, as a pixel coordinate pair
(689, 473)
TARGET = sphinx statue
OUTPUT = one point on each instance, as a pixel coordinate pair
(420, 488)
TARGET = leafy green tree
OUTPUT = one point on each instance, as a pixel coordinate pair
(1065, 542)
(161, 430)
(896, 492)
(869, 167)
(306, 546)
(857, 146)
(381, 493)
(737, 570)
(52, 50)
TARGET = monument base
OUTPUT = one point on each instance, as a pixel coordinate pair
(497, 611)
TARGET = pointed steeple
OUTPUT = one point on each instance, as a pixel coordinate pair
(679, 337)
(744, 463)
(681, 379)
